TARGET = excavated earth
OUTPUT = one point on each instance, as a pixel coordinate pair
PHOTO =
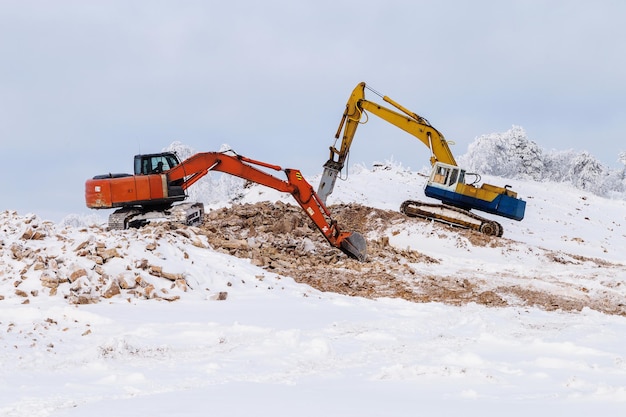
(281, 239)
(91, 264)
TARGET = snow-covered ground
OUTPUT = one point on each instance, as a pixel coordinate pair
(277, 347)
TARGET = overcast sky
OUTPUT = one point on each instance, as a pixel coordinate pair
(85, 85)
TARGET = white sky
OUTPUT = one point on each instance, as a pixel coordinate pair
(86, 85)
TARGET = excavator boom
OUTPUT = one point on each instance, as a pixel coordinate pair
(162, 188)
(406, 120)
(447, 180)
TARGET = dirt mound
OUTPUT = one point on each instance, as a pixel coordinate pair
(280, 238)
(90, 264)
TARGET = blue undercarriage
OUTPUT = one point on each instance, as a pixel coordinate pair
(502, 205)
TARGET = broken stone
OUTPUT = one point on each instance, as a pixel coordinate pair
(107, 254)
(126, 282)
(234, 244)
(77, 273)
(149, 291)
(142, 264)
(181, 284)
(220, 296)
(49, 279)
(141, 282)
(112, 290)
(31, 234)
(155, 270)
(81, 246)
(16, 251)
(171, 276)
(84, 299)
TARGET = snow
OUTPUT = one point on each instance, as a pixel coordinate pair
(277, 347)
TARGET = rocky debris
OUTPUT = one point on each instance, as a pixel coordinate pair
(280, 238)
(41, 261)
(90, 265)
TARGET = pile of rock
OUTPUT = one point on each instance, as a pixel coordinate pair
(83, 265)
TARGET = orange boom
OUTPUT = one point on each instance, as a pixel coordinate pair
(160, 180)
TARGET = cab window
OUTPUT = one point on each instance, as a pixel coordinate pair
(453, 177)
(441, 175)
(158, 164)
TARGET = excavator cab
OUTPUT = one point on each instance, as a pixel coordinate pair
(447, 184)
(155, 163)
(447, 176)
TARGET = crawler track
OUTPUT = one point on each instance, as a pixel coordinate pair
(451, 215)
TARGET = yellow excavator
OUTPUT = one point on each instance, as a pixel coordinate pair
(446, 182)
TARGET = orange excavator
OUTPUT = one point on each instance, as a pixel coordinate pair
(158, 186)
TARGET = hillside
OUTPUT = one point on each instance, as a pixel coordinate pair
(256, 303)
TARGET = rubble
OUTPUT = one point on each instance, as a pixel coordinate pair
(79, 274)
(97, 264)
(292, 246)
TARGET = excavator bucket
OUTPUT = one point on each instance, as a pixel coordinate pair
(354, 246)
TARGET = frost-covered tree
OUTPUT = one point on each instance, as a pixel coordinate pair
(214, 187)
(512, 155)
(586, 172)
(183, 151)
(509, 154)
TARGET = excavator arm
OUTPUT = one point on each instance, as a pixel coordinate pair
(351, 243)
(152, 189)
(406, 120)
(446, 182)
